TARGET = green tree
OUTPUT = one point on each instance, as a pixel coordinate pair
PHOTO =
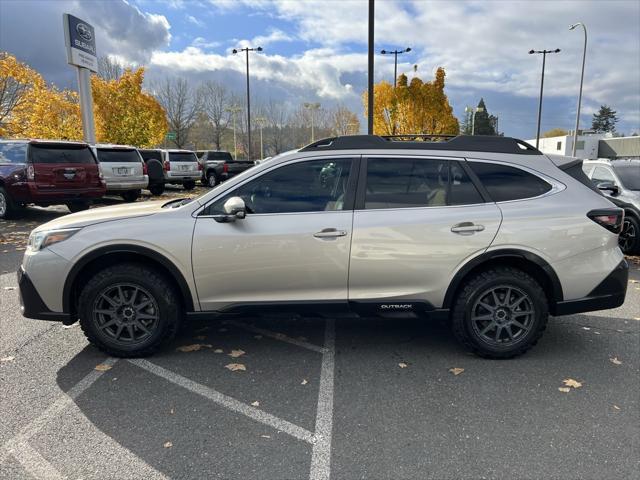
(605, 120)
(484, 123)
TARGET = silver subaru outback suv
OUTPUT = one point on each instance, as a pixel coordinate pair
(484, 231)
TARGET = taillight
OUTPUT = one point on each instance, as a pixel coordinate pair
(609, 218)
(200, 167)
(225, 168)
(166, 166)
(31, 173)
(145, 169)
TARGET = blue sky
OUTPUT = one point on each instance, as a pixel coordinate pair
(316, 50)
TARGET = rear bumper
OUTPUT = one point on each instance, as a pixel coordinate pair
(610, 293)
(53, 195)
(31, 304)
(126, 186)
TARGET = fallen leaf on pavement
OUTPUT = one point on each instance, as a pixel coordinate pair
(586, 328)
(236, 353)
(235, 367)
(597, 333)
(615, 361)
(456, 370)
(172, 411)
(102, 367)
(636, 318)
(9, 288)
(265, 436)
(616, 407)
(304, 381)
(217, 350)
(255, 404)
(167, 445)
(6, 359)
(564, 389)
(402, 365)
(633, 281)
(193, 348)
(570, 382)
(71, 326)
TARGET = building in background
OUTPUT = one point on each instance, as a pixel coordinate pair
(591, 146)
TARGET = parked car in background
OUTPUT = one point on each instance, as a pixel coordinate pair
(181, 167)
(155, 171)
(619, 180)
(123, 169)
(218, 166)
(486, 232)
(47, 172)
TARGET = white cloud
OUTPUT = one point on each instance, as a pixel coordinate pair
(195, 21)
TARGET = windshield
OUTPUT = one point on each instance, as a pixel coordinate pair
(118, 155)
(629, 174)
(182, 157)
(13, 152)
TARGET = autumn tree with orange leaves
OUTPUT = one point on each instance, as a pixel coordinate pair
(413, 107)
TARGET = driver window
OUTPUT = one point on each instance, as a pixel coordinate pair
(313, 186)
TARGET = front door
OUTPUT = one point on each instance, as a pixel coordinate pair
(416, 221)
(293, 245)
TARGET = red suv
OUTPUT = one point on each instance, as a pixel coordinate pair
(47, 172)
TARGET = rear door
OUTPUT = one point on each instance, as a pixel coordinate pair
(120, 164)
(183, 163)
(417, 219)
(63, 166)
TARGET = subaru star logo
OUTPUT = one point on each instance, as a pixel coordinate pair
(84, 32)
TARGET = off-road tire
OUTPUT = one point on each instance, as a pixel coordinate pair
(11, 210)
(157, 189)
(155, 283)
(131, 195)
(468, 294)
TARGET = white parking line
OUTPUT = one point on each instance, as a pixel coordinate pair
(33, 462)
(228, 402)
(278, 336)
(321, 456)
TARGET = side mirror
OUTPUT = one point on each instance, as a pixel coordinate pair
(610, 187)
(234, 209)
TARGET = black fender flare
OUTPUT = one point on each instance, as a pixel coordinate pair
(556, 293)
(131, 249)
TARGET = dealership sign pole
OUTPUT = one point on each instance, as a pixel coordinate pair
(80, 40)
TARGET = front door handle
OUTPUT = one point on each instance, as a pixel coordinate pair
(466, 228)
(330, 233)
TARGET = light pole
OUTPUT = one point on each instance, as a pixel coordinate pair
(544, 58)
(584, 56)
(395, 54)
(312, 107)
(234, 110)
(473, 117)
(247, 50)
(261, 121)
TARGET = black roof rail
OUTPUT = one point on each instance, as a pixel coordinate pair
(464, 143)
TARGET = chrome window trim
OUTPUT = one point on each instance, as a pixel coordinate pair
(196, 213)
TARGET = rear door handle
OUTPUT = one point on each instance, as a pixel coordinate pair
(466, 228)
(330, 233)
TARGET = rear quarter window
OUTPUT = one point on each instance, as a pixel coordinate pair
(118, 155)
(505, 183)
(13, 152)
(61, 154)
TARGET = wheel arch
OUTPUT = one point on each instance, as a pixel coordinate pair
(112, 254)
(528, 262)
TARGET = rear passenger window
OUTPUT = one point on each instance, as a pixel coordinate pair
(405, 183)
(508, 183)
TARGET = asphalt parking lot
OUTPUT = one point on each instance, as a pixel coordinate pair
(286, 397)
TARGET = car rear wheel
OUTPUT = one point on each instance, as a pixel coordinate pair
(156, 189)
(212, 179)
(189, 185)
(7, 208)
(78, 206)
(131, 195)
(629, 238)
(129, 310)
(500, 313)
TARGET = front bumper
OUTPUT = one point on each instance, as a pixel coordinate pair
(31, 304)
(610, 293)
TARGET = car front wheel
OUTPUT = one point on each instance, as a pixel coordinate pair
(500, 313)
(7, 208)
(129, 310)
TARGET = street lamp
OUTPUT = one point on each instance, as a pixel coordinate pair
(584, 56)
(234, 110)
(312, 107)
(247, 50)
(473, 117)
(544, 58)
(395, 54)
(261, 122)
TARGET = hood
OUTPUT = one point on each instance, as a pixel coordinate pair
(104, 214)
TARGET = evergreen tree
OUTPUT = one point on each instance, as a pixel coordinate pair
(483, 123)
(605, 120)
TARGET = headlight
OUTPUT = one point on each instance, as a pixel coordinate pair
(45, 238)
